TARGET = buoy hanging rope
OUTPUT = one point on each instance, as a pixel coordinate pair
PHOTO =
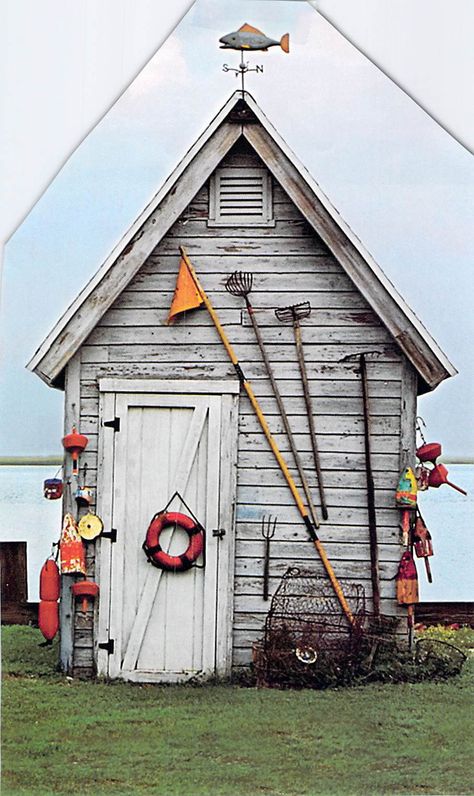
(159, 557)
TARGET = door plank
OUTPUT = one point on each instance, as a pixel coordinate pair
(212, 521)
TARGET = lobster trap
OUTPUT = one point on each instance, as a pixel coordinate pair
(308, 641)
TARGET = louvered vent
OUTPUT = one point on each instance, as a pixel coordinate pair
(241, 197)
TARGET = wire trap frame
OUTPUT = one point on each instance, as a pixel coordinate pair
(308, 641)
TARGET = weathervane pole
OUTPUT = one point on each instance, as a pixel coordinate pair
(242, 71)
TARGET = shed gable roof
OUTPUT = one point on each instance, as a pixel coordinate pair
(239, 117)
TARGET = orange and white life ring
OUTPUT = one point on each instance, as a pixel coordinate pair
(155, 553)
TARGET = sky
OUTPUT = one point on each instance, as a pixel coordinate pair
(402, 183)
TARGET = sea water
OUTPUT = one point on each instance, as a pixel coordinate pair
(25, 515)
(449, 517)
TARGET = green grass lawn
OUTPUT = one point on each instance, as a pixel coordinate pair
(71, 737)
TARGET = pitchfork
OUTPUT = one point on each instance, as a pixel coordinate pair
(240, 284)
(295, 313)
(268, 532)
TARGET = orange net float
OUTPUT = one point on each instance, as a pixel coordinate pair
(48, 618)
(75, 443)
(48, 610)
(155, 553)
(86, 590)
(50, 581)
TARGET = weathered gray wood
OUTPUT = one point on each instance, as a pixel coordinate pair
(336, 319)
(194, 170)
(329, 532)
(227, 486)
(132, 340)
(336, 479)
(254, 247)
(210, 353)
(320, 390)
(97, 367)
(329, 424)
(364, 337)
(114, 280)
(333, 405)
(72, 396)
(254, 465)
(380, 294)
(274, 495)
(249, 572)
(194, 227)
(347, 444)
(300, 284)
(408, 416)
(286, 551)
(340, 515)
(141, 296)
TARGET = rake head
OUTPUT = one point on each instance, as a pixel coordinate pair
(294, 313)
(239, 283)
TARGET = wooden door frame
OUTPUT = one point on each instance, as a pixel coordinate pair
(228, 390)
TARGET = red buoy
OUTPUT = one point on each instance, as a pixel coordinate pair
(48, 611)
(75, 443)
(86, 589)
(48, 618)
(50, 581)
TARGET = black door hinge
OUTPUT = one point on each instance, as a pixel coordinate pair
(115, 424)
(112, 535)
(108, 646)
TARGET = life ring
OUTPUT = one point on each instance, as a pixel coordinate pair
(157, 556)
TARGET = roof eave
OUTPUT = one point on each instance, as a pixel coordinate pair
(423, 352)
(50, 372)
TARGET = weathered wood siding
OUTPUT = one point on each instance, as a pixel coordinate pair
(290, 264)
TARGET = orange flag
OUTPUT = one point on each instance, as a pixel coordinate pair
(186, 295)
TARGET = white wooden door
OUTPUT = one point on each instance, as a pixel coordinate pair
(166, 626)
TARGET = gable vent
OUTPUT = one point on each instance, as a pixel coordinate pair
(241, 197)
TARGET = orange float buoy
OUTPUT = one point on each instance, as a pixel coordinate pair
(48, 618)
(71, 548)
(50, 581)
(75, 443)
(48, 610)
(87, 589)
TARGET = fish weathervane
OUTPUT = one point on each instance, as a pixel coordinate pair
(250, 39)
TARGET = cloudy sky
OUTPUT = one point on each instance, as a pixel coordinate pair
(400, 181)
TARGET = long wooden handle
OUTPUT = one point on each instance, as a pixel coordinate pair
(284, 416)
(276, 451)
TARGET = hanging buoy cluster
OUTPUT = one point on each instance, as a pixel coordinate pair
(48, 611)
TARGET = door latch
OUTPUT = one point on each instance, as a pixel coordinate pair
(218, 533)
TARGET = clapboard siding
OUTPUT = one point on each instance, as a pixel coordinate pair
(290, 264)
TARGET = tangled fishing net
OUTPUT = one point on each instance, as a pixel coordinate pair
(308, 641)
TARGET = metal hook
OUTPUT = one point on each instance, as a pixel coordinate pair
(419, 420)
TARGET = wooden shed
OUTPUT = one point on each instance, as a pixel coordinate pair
(163, 410)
